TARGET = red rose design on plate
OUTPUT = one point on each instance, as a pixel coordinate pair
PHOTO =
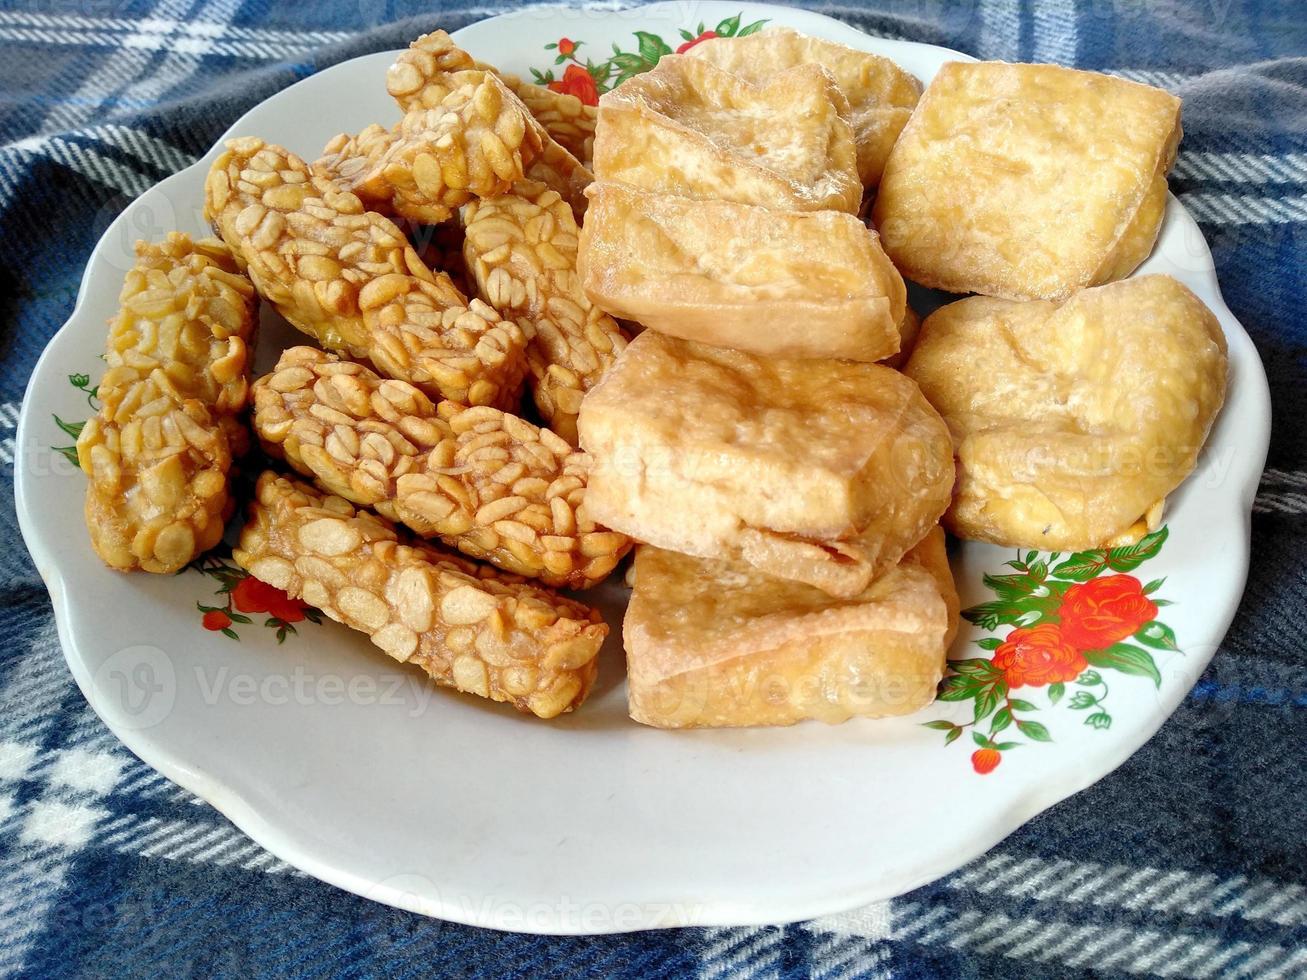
(566, 45)
(252, 596)
(1103, 611)
(1038, 655)
(1065, 617)
(705, 36)
(579, 82)
(215, 620)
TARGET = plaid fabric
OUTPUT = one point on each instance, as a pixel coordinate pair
(1188, 861)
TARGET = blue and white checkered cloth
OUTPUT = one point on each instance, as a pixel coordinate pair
(1191, 860)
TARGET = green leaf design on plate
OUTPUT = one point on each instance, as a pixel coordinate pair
(73, 429)
(1157, 635)
(1126, 659)
(1034, 730)
(652, 47)
(1129, 557)
(1082, 565)
(984, 669)
(959, 688)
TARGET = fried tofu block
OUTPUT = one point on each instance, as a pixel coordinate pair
(784, 283)
(468, 627)
(881, 95)
(688, 128)
(1071, 420)
(909, 328)
(1027, 181)
(824, 472)
(719, 644)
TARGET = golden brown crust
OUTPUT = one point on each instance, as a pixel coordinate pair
(881, 95)
(474, 143)
(784, 283)
(521, 249)
(1027, 181)
(465, 626)
(690, 129)
(566, 118)
(1072, 420)
(433, 66)
(713, 643)
(349, 278)
(720, 475)
(159, 449)
(490, 484)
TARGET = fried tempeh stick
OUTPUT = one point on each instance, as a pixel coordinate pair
(465, 626)
(349, 278)
(485, 482)
(565, 117)
(423, 75)
(159, 449)
(521, 248)
(475, 143)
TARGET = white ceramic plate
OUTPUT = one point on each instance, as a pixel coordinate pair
(362, 774)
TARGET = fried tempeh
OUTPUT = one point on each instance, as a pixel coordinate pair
(566, 118)
(475, 143)
(349, 278)
(433, 67)
(465, 626)
(424, 74)
(521, 248)
(159, 449)
(487, 483)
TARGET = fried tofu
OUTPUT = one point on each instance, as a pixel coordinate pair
(1072, 421)
(715, 643)
(688, 128)
(785, 283)
(1027, 181)
(824, 472)
(881, 95)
